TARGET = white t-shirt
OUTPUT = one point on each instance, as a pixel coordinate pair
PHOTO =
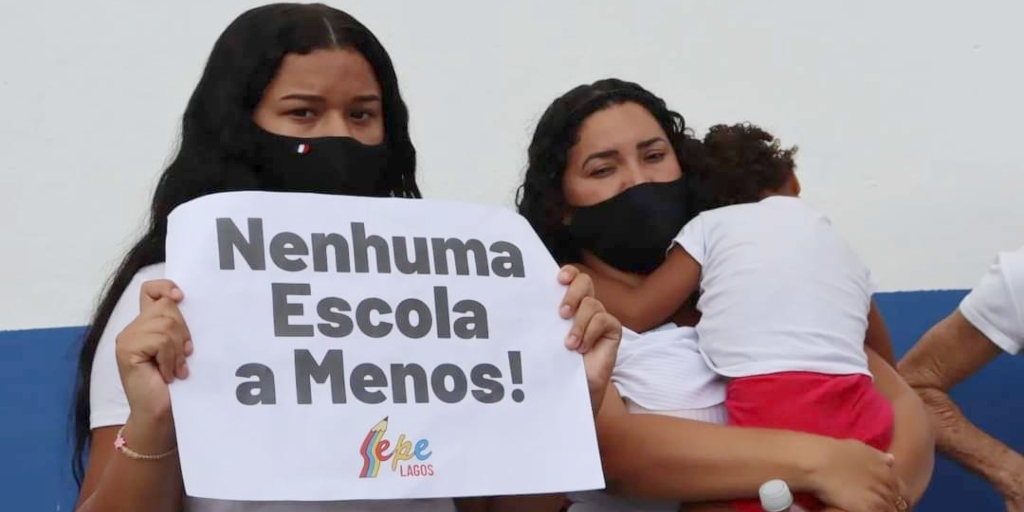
(996, 306)
(660, 372)
(109, 407)
(780, 290)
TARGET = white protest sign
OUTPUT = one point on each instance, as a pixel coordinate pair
(365, 348)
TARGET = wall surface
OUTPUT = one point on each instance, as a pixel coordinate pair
(906, 115)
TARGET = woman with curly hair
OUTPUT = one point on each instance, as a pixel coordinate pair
(613, 177)
(785, 301)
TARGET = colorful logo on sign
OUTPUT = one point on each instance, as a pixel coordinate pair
(407, 457)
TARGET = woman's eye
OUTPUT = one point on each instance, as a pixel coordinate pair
(301, 113)
(361, 115)
(602, 171)
(655, 157)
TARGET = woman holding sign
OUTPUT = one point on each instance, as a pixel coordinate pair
(294, 98)
(605, 189)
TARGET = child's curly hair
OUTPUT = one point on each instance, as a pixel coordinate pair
(743, 162)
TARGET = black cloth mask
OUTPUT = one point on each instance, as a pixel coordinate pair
(632, 231)
(325, 165)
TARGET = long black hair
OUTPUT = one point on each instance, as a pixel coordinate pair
(541, 199)
(216, 150)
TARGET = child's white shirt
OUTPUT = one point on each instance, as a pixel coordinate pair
(780, 290)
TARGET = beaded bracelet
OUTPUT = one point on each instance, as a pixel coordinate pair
(122, 445)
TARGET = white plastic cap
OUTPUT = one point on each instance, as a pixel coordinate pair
(775, 496)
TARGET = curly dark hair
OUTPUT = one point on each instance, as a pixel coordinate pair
(540, 198)
(743, 163)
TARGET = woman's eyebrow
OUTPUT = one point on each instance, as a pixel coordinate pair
(600, 154)
(649, 142)
(315, 98)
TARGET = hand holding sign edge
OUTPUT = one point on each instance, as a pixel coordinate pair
(595, 333)
(152, 349)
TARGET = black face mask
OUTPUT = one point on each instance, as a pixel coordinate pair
(632, 231)
(325, 165)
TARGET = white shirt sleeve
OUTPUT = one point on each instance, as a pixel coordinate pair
(663, 370)
(872, 281)
(108, 403)
(692, 239)
(994, 306)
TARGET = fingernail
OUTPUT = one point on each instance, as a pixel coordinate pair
(572, 341)
(565, 311)
(184, 370)
(563, 275)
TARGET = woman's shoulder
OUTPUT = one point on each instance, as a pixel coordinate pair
(149, 273)
(107, 402)
(127, 307)
(669, 344)
(130, 295)
(663, 370)
(667, 331)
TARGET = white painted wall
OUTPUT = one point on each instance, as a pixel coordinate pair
(907, 113)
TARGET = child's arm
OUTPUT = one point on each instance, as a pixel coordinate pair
(653, 301)
(877, 336)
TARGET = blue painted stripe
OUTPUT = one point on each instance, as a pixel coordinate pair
(37, 369)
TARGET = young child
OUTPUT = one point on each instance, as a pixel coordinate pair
(785, 303)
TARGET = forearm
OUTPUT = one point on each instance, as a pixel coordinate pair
(961, 440)
(660, 457)
(623, 301)
(638, 319)
(131, 485)
(695, 461)
(640, 306)
(948, 353)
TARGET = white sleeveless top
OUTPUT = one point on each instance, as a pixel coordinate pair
(662, 372)
(109, 407)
